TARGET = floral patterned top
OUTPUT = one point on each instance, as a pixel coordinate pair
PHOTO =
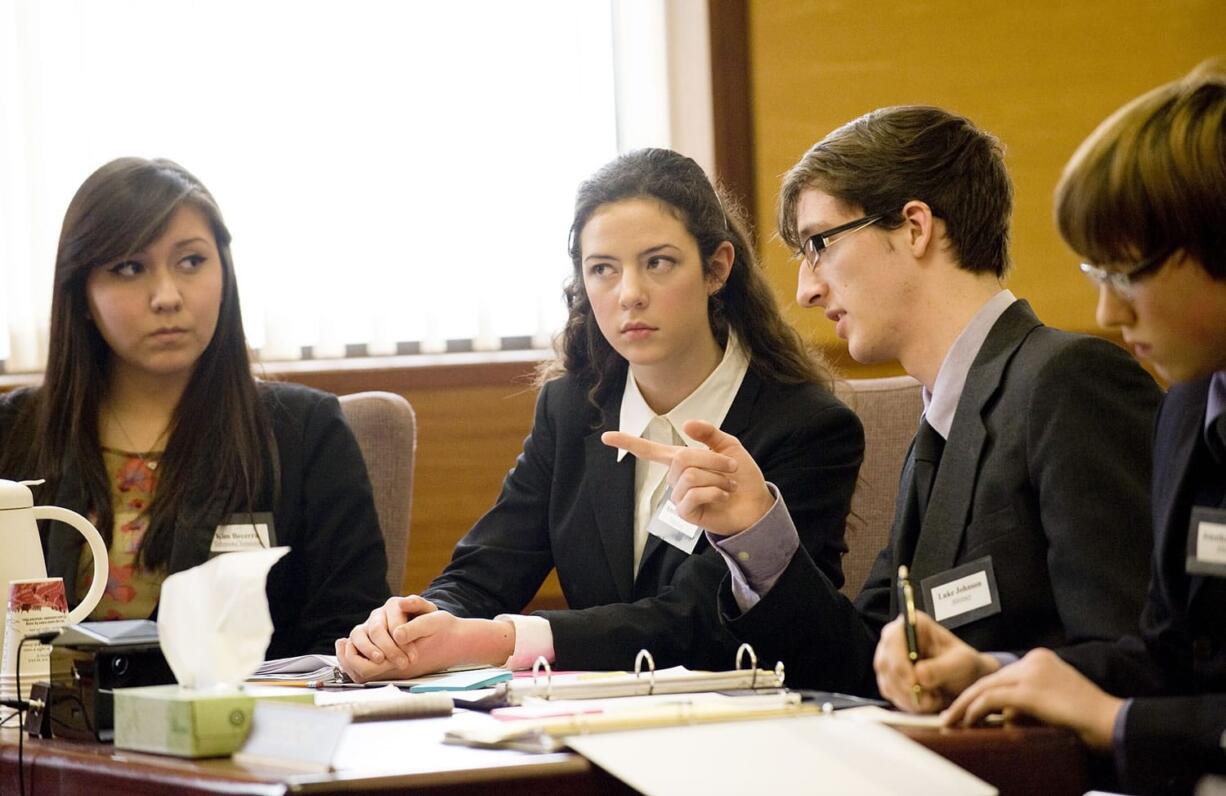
(131, 593)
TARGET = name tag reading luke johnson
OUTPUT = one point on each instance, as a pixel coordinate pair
(244, 532)
(963, 594)
(1207, 542)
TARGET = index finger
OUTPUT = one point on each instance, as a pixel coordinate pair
(643, 449)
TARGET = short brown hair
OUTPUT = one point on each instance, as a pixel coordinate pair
(1151, 179)
(885, 158)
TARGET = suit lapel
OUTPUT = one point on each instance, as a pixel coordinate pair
(906, 519)
(203, 510)
(945, 523)
(611, 486)
(1191, 419)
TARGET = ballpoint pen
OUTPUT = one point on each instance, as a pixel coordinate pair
(906, 607)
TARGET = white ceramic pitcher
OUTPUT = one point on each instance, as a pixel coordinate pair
(21, 552)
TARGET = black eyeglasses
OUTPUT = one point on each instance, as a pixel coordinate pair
(1123, 282)
(814, 245)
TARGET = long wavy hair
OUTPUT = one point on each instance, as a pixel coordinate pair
(119, 210)
(744, 304)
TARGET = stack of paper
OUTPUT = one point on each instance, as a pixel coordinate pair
(303, 667)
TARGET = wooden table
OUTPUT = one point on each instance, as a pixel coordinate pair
(406, 756)
(1018, 760)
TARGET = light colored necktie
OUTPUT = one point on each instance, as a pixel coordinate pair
(662, 431)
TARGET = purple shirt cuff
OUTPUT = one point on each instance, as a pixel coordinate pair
(1117, 739)
(758, 555)
(1004, 658)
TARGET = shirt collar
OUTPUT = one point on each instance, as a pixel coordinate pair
(941, 403)
(1216, 405)
(710, 401)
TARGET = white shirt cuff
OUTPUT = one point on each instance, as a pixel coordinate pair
(533, 639)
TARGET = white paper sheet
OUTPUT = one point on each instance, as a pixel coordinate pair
(810, 755)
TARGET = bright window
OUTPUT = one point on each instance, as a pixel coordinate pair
(393, 173)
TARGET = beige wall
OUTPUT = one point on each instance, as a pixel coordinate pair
(1039, 74)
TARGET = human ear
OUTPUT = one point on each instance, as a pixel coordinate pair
(918, 222)
(721, 267)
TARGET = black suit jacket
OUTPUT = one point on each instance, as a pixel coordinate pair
(1045, 470)
(569, 504)
(335, 572)
(1176, 669)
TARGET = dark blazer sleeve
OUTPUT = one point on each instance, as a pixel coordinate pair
(336, 572)
(1090, 429)
(1172, 735)
(804, 621)
(812, 456)
(1170, 742)
(501, 562)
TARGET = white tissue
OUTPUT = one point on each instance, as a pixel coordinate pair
(213, 620)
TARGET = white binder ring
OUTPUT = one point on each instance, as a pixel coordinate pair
(537, 665)
(753, 662)
(638, 669)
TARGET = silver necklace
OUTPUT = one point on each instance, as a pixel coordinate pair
(152, 465)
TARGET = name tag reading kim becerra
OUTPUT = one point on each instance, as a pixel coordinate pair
(667, 524)
(963, 594)
(1207, 541)
(248, 531)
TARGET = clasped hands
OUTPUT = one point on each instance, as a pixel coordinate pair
(409, 636)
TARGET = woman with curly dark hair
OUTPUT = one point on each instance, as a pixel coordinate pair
(670, 320)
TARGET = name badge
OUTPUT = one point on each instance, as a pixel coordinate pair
(248, 531)
(963, 594)
(667, 524)
(1207, 542)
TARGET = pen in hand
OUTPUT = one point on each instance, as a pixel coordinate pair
(906, 607)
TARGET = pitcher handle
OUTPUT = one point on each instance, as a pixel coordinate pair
(96, 546)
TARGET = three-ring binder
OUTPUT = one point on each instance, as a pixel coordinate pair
(646, 680)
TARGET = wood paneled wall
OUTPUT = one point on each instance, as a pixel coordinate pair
(1039, 74)
(471, 424)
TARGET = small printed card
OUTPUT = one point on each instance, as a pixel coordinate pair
(963, 594)
(244, 532)
(1207, 541)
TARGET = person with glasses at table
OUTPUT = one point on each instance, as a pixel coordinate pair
(670, 320)
(1022, 502)
(1144, 200)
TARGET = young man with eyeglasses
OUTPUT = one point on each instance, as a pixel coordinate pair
(1023, 503)
(1151, 180)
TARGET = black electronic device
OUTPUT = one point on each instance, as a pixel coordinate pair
(88, 662)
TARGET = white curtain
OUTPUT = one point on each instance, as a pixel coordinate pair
(392, 172)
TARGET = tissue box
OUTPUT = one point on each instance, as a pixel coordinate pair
(172, 720)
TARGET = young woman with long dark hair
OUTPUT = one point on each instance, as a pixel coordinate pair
(149, 420)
